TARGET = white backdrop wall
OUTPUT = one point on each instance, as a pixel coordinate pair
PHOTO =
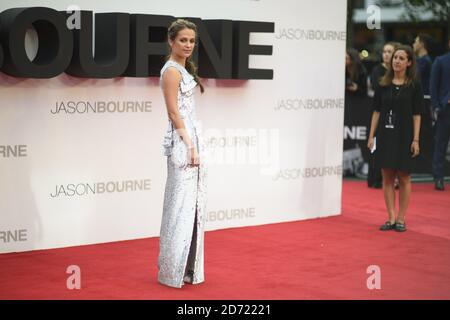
(274, 146)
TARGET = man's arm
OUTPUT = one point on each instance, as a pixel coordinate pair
(435, 83)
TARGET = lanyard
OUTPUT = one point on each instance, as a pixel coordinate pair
(398, 90)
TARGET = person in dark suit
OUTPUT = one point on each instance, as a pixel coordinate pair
(421, 47)
(440, 102)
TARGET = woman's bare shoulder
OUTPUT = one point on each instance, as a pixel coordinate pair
(171, 76)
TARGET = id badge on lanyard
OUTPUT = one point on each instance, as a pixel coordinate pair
(390, 120)
(390, 117)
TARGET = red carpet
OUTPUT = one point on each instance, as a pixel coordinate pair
(314, 259)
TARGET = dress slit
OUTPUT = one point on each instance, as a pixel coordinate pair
(190, 263)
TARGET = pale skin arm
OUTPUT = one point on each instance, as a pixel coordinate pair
(415, 150)
(373, 126)
(171, 81)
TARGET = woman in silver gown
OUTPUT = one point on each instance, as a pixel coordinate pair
(181, 251)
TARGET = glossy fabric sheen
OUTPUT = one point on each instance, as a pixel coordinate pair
(181, 252)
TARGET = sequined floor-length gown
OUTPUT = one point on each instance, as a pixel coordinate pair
(181, 252)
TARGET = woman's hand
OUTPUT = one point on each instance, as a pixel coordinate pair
(193, 157)
(370, 143)
(353, 87)
(415, 150)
